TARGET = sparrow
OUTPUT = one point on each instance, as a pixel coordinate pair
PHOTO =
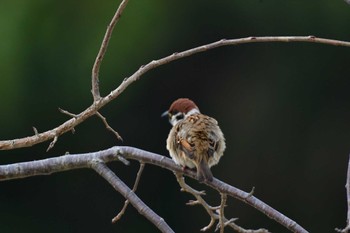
(195, 140)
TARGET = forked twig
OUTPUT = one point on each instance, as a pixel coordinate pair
(199, 200)
(126, 203)
(212, 211)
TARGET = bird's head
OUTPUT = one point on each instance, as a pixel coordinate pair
(180, 109)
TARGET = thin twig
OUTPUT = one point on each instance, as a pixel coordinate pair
(96, 68)
(212, 210)
(90, 111)
(67, 113)
(126, 203)
(72, 115)
(102, 169)
(199, 200)
(221, 212)
(250, 193)
(35, 131)
(108, 127)
(76, 161)
(347, 186)
(52, 144)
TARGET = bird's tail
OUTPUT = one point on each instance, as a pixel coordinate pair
(203, 171)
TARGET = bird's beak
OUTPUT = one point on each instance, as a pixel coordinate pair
(164, 114)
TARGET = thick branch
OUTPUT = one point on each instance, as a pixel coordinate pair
(70, 124)
(123, 189)
(75, 161)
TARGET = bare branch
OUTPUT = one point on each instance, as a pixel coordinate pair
(70, 124)
(126, 203)
(347, 186)
(75, 161)
(96, 68)
(108, 127)
(123, 189)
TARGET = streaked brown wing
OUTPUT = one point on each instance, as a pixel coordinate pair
(187, 148)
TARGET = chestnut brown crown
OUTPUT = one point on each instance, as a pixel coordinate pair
(183, 105)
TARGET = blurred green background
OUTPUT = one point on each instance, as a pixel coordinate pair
(284, 108)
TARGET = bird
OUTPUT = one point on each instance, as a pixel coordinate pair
(195, 140)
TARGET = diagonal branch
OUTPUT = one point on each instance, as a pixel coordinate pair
(108, 127)
(96, 68)
(90, 111)
(102, 169)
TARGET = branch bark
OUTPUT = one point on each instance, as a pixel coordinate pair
(75, 161)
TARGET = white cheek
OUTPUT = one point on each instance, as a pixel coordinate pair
(173, 121)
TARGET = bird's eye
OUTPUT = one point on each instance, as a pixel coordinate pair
(179, 117)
